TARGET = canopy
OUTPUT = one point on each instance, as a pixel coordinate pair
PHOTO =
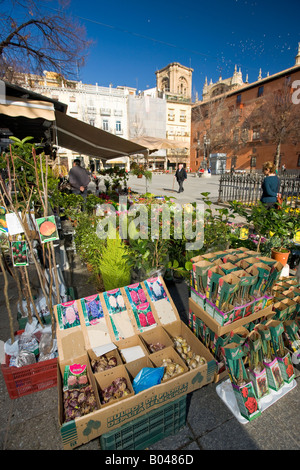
(88, 140)
(31, 109)
(156, 143)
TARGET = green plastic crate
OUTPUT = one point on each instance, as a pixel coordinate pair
(142, 432)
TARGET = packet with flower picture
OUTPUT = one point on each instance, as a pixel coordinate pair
(75, 376)
(67, 315)
(274, 376)
(280, 352)
(243, 388)
(256, 370)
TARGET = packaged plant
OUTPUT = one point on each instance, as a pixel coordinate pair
(257, 370)
(280, 352)
(291, 338)
(242, 387)
(274, 376)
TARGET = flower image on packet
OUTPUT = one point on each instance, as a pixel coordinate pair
(75, 376)
(92, 309)
(67, 314)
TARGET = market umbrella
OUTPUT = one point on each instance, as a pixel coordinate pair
(157, 143)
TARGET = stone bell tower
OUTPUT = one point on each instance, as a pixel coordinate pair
(175, 79)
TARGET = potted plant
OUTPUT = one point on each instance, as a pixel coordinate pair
(282, 224)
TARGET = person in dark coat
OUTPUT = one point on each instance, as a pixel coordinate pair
(270, 185)
(180, 175)
(78, 179)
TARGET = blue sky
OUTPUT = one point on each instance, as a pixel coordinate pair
(133, 39)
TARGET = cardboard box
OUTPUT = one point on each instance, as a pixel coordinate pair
(157, 335)
(111, 353)
(106, 378)
(130, 348)
(82, 430)
(221, 330)
(168, 353)
(199, 298)
(134, 367)
(72, 349)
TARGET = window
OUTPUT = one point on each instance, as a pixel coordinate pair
(171, 115)
(260, 91)
(238, 99)
(253, 162)
(105, 124)
(92, 122)
(118, 126)
(182, 116)
(255, 133)
(245, 135)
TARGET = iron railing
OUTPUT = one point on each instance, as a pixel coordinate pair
(246, 188)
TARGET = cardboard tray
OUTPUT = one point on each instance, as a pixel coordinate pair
(110, 417)
(221, 330)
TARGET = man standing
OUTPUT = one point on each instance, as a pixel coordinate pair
(78, 179)
(180, 175)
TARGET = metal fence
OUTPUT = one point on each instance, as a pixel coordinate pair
(246, 188)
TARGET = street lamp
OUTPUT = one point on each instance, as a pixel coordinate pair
(206, 143)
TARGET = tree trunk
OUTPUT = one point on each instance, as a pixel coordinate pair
(277, 155)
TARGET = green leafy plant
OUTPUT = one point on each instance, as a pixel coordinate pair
(115, 271)
(280, 223)
(283, 224)
(217, 231)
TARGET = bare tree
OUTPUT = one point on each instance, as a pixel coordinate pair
(214, 126)
(34, 38)
(277, 119)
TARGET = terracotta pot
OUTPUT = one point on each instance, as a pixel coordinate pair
(280, 256)
(139, 176)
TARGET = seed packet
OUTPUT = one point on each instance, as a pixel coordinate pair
(75, 376)
(67, 315)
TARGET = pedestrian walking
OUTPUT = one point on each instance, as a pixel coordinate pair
(78, 179)
(270, 185)
(180, 175)
(283, 168)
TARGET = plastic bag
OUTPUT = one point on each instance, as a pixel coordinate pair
(147, 377)
(24, 358)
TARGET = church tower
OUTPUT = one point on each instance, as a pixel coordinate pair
(175, 79)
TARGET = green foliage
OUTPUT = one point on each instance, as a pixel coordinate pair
(88, 245)
(277, 223)
(113, 266)
(283, 224)
(140, 170)
(217, 231)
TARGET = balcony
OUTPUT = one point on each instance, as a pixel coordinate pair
(105, 111)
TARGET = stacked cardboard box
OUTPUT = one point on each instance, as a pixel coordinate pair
(233, 284)
(247, 339)
(134, 328)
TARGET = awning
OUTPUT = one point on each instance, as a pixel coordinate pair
(82, 138)
(15, 107)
